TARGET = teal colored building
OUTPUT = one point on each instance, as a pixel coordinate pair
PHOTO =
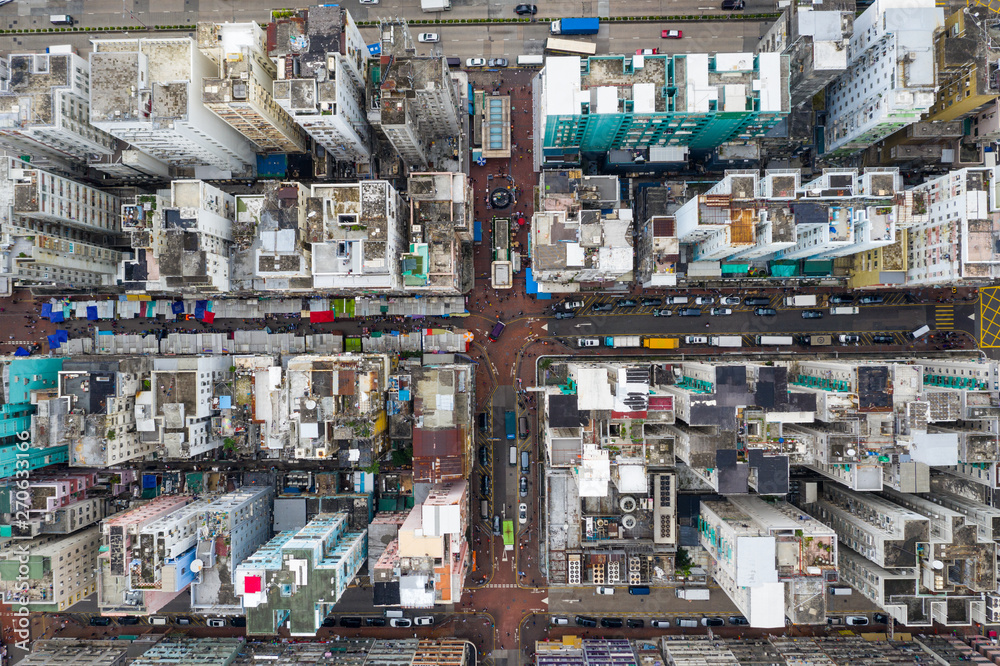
(21, 377)
(694, 100)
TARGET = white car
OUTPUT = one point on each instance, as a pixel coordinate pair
(522, 513)
(720, 311)
(216, 622)
(857, 620)
(368, 2)
(730, 300)
(704, 300)
(475, 62)
(423, 621)
(695, 340)
(428, 37)
(560, 620)
(588, 342)
(400, 622)
(605, 590)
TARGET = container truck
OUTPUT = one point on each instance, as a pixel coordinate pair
(435, 5)
(800, 301)
(765, 340)
(575, 26)
(622, 341)
(844, 310)
(693, 593)
(726, 340)
(661, 343)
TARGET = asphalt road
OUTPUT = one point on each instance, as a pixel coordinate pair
(509, 40)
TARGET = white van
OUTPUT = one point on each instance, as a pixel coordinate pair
(158, 620)
(923, 330)
(394, 613)
(675, 300)
(60, 19)
(513, 455)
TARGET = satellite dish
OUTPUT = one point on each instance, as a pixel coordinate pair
(851, 452)
(937, 565)
(310, 404)
(197, 565)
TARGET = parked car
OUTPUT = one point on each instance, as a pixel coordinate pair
(572, 305)
(612, 622)
(368, 2)
(856, 620)
(484, 485)
(720, 311)
(660, 624)
(522, 513)
(375, 621)
(646, 51)
(424, 621)
(651, 302)
(475, 62)
(565, 315)
(752, 301)
(695, 340)
(883, 339)
(671, 34)
(662, 313)
(496, 62)
(634, 624)
(602, 307)
(130, 620)
(496, 526)
(841, 298)
(765, 312)
(733, 4)
(428, 37)
(849, 339)
(523, 486)
(212, 622)
(329, 622)
(400, 622)
(880, 618)
(704, 300)
(560, 620)
(628, 303)
(870, 299)
(350, 622)
(238, 621)
(713, 622)
(99, 621)
(522, 10)
(689, 312)
(812, 314)
(605, 590)
(584, 621)
(588, 342)
(739, 621)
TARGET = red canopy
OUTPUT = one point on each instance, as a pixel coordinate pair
(320, 316)
(209, 317)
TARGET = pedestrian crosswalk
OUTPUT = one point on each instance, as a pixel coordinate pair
(944, 317)
(504, 585)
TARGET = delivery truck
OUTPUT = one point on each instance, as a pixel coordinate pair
(726, 340)
(800, 301)
(622, 341)
(767, 340)
(435, 5)
(575, 26)
(661, 343)
(844, 310)
(693, 593)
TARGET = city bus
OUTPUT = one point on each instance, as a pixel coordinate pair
(570, 47)
(508, 535)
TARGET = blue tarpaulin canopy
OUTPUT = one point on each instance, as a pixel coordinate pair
(57, 317)
(46, 309)
(92, 312)
(62, 336)
(199, 309)
(177, 307)
(21, 351)
(53, 342)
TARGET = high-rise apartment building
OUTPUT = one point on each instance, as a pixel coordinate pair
(59, 232)
(241, 93)
(60, 571)
(320, 79)
(698, 100)
(147, 91)
(891, 79)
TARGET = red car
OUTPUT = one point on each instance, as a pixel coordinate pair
(646, 51)
(671, 34)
